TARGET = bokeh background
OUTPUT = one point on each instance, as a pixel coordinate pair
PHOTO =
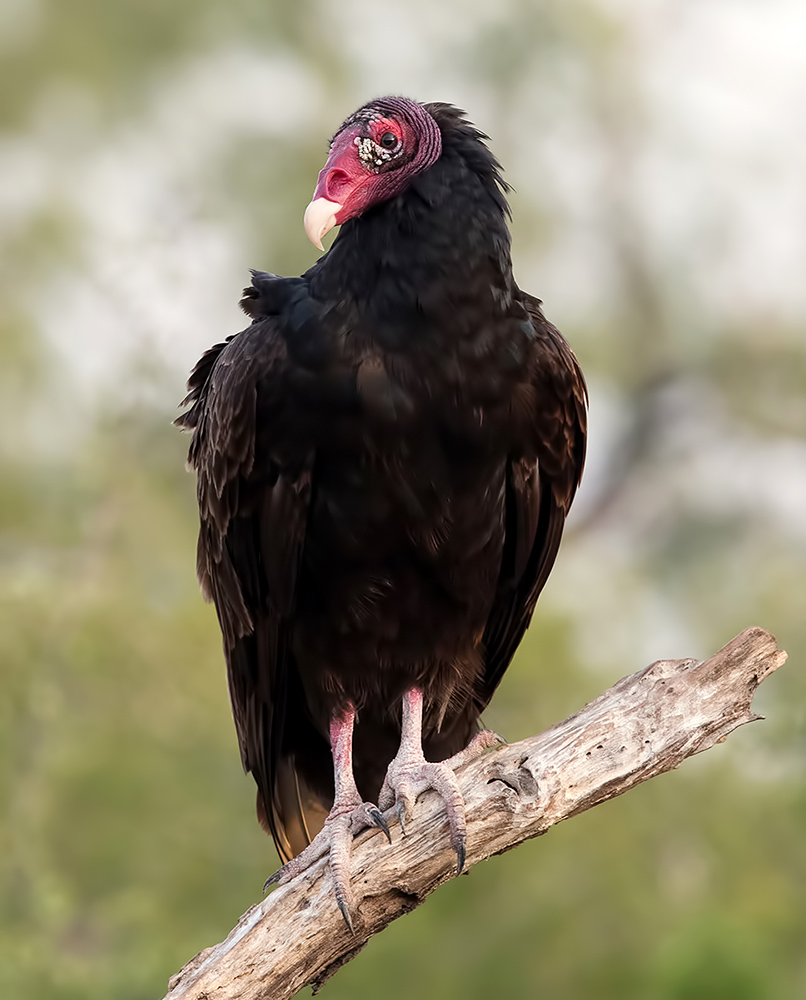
(150, 153)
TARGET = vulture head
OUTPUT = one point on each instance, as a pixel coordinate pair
(373, 156)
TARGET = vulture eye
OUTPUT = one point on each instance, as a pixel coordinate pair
(388, 140)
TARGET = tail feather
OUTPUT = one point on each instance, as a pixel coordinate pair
(297, 814)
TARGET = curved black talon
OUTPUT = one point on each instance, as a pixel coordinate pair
(376, 816)
(461, 854)
(272, 879)
(345, 912)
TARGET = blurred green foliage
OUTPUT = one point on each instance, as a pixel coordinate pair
(127, 833)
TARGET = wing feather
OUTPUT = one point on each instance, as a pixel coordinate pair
(253, 507)
(542, 479)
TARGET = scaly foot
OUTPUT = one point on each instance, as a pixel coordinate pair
(348, 817)
(410, 774)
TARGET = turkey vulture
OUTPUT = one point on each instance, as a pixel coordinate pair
(385, 458)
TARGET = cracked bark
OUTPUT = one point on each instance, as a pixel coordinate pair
(646, 724)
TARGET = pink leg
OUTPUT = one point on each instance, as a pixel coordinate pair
(410, 773)
(349, 815)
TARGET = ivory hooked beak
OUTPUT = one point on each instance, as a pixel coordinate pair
(319, 219)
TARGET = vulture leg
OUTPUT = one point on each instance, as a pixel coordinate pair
(348, 816)
(410, 773)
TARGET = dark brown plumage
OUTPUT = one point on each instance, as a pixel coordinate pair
(385, 459)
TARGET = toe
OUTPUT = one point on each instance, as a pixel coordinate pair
(481, 741)
(386, 798)
(341, 842)
(443, 780)
(317, 848)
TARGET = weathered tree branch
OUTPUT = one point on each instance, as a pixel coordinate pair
(646, 724)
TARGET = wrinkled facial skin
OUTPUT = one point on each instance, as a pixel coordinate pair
(372, 157)
(358, 154)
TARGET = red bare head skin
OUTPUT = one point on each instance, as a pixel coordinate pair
(373, 156)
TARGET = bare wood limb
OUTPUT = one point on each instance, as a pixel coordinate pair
(644, 725)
